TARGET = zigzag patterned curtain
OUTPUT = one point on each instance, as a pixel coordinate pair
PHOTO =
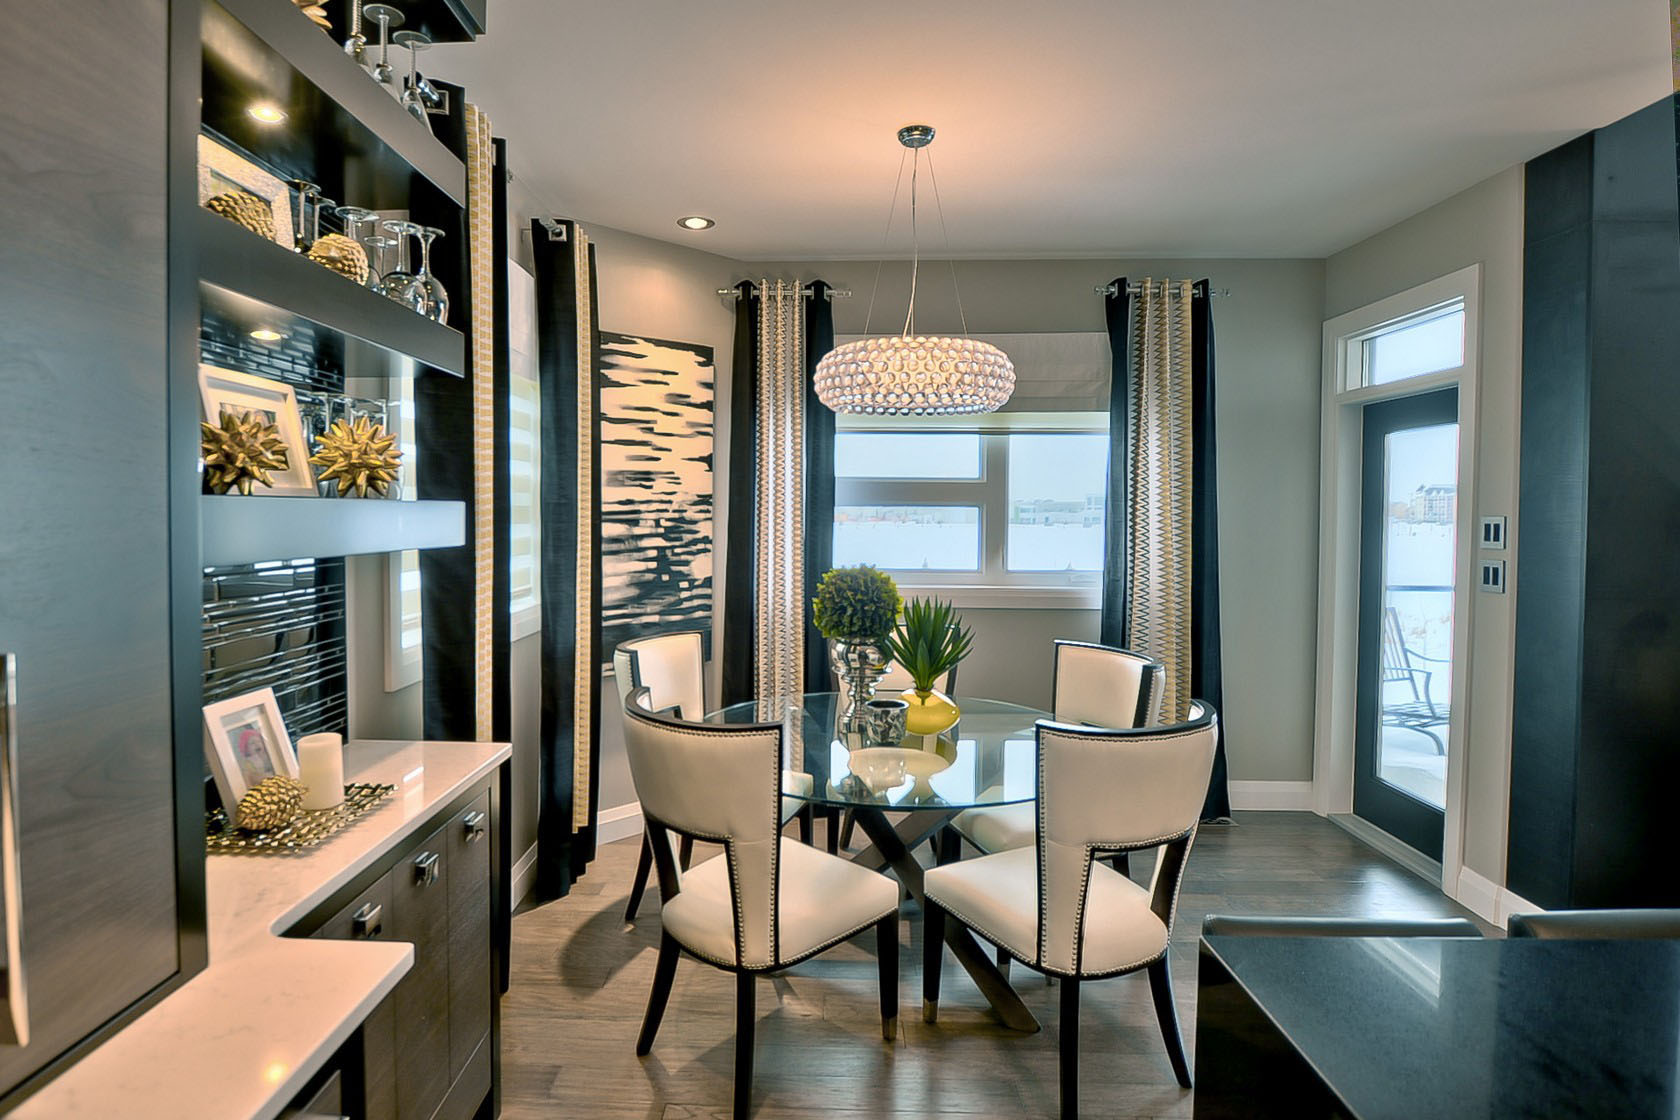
(1161, 572)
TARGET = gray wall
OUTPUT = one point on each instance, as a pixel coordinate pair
(1267, 336)
(1481, 225)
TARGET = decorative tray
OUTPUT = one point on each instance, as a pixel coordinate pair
(307, 830)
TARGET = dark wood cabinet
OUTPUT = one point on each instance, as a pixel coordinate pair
(109, 909)
(425, 1052)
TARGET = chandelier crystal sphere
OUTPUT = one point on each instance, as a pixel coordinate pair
(904, 375)
(911, 374)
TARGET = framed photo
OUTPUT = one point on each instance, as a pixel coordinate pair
(225, 390)
(245, 741)
(221, 169)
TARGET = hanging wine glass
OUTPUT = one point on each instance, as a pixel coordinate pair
(387, 18)
(379, 248)
(412, 98)
(356, 44)
(304, 197)
(401, 285)
(357, 226)
(437, 298)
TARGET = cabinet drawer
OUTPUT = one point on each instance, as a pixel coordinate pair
(470, 978)
(368, 917)
(420, 915)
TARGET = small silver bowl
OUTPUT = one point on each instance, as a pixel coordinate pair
(884, 722)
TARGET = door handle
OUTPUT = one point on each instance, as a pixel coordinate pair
(425, 869)
(14, 1001)
(368, 921)
(472, 827)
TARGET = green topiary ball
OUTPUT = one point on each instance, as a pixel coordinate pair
(860, 602)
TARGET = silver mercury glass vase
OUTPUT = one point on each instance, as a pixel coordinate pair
(860, 663)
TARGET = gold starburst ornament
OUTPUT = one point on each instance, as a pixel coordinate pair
(243, 449)
(362, 456)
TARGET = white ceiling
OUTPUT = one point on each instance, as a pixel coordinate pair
(1067, 128)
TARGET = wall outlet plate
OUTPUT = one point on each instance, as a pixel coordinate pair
(1493, 576)
(1493, 534)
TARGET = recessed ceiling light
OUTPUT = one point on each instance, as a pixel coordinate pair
(695, 222)
(267, 112)
(263, 334)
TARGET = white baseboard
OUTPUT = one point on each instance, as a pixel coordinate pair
(524, 874)
(618, 823)
(1490, 901)
(1272, 795)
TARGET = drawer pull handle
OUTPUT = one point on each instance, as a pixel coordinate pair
(426, 869)
(472, 827)
(368, 921)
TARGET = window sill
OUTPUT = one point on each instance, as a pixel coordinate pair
(524, 623)
(1003, 597)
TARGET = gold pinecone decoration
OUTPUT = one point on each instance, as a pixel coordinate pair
(271, 803)
(342, 255)
(243, 449)
(362, 455)
(254, 213)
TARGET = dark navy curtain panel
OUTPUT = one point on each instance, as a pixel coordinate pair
(1206, 670)
(740, 572)
(568, 347)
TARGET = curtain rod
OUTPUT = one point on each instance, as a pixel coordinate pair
(807, 292)
(1137, 290)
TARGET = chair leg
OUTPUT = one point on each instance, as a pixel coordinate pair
(807, 835)
(1003, 959)
(1070, 1048)
(664, 972)
(933, 958)
(644, 865)
(745, 1017)
(831, 818)
(1160, 985)
(846, 829)
(949, 847)
(1121, 862)
(685, 852)
(886, 949)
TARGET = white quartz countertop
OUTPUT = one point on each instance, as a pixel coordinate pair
(240, 1039)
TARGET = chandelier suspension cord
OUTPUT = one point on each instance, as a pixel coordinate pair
(915, 245)
(881, 257)
(939, 208)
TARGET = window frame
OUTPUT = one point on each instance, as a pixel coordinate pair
(993, 585)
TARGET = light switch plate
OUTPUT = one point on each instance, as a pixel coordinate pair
(1493, 534)
(1493, 576)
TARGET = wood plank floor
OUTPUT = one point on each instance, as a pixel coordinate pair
(580, 978)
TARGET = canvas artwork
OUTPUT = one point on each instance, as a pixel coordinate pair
(656, 417)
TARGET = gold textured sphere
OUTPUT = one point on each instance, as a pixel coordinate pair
(917, 376)
(254, 213)
(342, 255)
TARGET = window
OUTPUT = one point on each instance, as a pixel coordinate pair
(1427, 342)
(1008, 514)
(524, 492)
(402, 569)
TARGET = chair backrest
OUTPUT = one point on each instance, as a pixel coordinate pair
(1223, 925)
(1395, 658)
(719, 782)
(1598, 925)
(1105, 686)
(1106, 789)
(672, 667)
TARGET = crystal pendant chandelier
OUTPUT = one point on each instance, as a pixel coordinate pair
(908, 373)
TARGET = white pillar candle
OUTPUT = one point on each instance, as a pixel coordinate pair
(321, 769)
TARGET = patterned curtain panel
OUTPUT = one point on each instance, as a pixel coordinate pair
(1161, 578)
(568, 345)
(781, 492)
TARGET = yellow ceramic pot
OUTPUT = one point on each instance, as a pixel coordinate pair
(931, 711)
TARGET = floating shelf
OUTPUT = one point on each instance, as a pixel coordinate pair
(248, 530)
(261, 283)
(342, 129)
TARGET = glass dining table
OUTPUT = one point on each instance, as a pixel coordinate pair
(904, 795)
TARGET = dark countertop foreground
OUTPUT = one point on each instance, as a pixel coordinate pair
(1440, 1027)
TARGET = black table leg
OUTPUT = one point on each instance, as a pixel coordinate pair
(891, 847)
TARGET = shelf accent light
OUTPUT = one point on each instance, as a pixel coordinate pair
(266, 112)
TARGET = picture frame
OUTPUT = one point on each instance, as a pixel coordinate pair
(245, 741)
(221, 169)
(222, 390)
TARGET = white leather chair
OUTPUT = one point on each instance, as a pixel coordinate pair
(672, 667)
(1091, 684)
(1054, 906)
(767, 902)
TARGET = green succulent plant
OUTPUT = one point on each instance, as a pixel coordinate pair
(860, 602)
(929, 642)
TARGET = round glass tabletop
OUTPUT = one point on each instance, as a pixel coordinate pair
(986, 759)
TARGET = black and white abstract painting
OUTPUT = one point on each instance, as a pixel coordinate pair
(657, 412)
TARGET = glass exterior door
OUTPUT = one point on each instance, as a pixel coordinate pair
(1408, 521)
